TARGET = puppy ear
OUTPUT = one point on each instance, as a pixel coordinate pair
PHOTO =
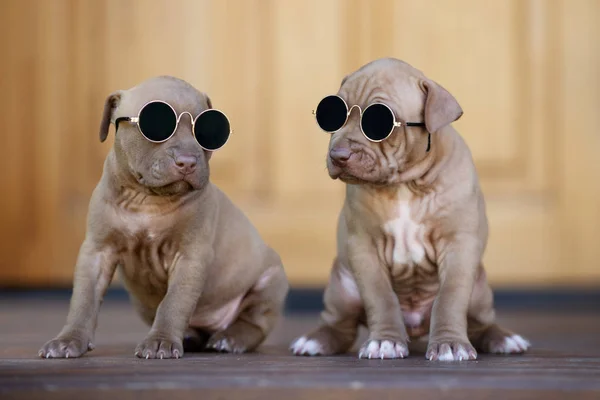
(110, 105)
(441, 108)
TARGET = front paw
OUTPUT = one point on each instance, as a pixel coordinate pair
(383, 349)
(70, 345)
(450, 350)
(159, 346)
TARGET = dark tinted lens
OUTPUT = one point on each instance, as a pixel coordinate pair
(212, 129)
(157, 121)
(377, 122)
(331, 113)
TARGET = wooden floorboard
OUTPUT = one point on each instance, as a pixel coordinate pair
(564, 363)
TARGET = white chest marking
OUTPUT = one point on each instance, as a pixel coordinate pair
(407, 236)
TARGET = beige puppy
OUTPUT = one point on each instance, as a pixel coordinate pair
(192, 263)
(412, 231)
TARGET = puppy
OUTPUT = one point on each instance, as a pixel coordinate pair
(193, 264)
(413, 228)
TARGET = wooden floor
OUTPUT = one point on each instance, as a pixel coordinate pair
(565, 363)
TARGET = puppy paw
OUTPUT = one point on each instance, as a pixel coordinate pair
(514, 344)
(66, 346)
(450, 351)
(224, 343)
(383, 349)
(304, 346)
(324, 341)
(498, 340)
(156, 346)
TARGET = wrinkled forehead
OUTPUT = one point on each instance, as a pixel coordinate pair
(180, 95)
(399, 88)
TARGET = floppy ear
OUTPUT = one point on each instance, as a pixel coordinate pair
(441, 108)
(110, 105)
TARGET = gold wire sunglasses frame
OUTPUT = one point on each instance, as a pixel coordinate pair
(396, 123)
(136, 121)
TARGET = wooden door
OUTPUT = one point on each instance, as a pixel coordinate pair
(525, 72)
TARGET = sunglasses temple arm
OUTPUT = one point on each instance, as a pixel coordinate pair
(125, 119)
(119, 120)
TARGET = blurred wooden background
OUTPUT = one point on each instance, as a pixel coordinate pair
(527, 73)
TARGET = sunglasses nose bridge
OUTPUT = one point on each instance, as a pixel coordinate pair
(184, 113)
(359, 116)
(352, 108)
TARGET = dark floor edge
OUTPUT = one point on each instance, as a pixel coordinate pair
(309, 300)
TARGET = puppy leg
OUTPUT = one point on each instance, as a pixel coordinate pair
(457, 266)
(260, 310)
(387, 333)
(165, 339)
(194, 340)
(93, 272)
(484, 333)
(340, 319)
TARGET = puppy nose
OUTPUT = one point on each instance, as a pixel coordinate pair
(339, 155)
(186, 164)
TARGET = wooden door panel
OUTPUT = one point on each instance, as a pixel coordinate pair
(525, 73)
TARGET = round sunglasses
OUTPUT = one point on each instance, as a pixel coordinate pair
(157, 121)
(377, 121)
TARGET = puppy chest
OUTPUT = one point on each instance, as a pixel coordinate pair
(148, 258)
(405, 239)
